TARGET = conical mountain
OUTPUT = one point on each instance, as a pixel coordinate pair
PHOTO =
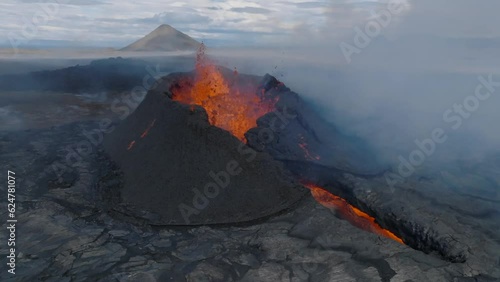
(164, 38)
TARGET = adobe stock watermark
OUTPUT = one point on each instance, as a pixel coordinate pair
(29, 30)
(222, 179)
(372, 29)
(454, 116)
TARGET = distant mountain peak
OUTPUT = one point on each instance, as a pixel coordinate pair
(164, 38)
(165, 26)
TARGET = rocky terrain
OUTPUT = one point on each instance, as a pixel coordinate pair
(69, 228)
(67, 234)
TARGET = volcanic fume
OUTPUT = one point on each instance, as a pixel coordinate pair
(208, 147)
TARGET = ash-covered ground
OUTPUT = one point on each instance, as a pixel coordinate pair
(69, 231)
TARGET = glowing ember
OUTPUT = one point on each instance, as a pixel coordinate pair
(232, 109)
(355, 216)
(307, 154)
(131, 145)
(145, 133)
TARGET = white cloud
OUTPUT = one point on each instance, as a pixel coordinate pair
(231, 21)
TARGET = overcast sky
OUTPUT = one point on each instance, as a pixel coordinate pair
(235, 22)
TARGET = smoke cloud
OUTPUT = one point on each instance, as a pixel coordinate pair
(401, 71)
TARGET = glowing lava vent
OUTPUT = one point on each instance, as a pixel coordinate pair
(228, 106)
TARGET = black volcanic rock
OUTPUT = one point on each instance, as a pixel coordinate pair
(180, 170)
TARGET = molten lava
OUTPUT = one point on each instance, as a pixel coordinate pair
(131, 145)
(307, 154)
(355, 216)
(146, 132)
(235, 110)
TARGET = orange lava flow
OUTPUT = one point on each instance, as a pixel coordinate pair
(352, 214)
(227, 107)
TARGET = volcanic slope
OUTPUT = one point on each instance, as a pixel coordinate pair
(179, 169)
(184, 157)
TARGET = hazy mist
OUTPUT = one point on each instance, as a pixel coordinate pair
(402, 84)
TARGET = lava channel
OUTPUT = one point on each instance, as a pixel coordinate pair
(350, 213)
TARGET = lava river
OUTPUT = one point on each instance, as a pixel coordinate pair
(352, 214)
